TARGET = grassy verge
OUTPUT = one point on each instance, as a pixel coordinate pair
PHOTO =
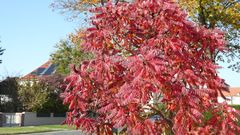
(236, 106)
(32, 129)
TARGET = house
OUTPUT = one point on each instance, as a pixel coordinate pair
(31, 118)
(233, 96)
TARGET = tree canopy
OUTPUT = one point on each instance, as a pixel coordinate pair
(223, 14)
(42, 95)
(33, 95)
(9, 91)
(67, 53)
(149, 54)
(214, 13)
(1, 53)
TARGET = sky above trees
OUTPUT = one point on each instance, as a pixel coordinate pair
(29, 31)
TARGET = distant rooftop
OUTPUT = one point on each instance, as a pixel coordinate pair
(234, 91)
(46, 69)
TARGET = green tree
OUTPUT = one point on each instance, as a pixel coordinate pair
(42, 95)
(9, 92)
(1, 53)
(33, 95)
(55, 85)
(68, 53)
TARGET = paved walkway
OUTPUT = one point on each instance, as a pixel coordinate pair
(67, 132)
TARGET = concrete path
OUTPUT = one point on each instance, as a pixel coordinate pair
(66, 132)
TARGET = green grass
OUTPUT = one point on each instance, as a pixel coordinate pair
(32, 129)
(236, 106)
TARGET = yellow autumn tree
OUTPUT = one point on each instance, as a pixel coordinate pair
(214, 13)
(76, 37)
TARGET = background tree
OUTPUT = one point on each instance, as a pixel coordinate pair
(55, 84)
(9, 91)
(222, 14)
(75, 7)
(33, 95)
(147, 48)
(42, 95)
(68, 53)
(1, 52)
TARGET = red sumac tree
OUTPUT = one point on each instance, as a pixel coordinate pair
(149, 55)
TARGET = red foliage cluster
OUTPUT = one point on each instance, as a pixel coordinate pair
(142, 49)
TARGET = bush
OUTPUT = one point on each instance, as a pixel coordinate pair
(43, 95)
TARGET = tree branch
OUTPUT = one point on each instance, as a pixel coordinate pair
(201, 14)
(102, 2)
(116, 2)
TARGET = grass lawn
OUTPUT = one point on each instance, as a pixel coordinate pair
(32, 129)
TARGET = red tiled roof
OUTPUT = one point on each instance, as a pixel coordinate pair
(234, 91)
(46, 69)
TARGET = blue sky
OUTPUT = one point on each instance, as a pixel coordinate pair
(29, 31)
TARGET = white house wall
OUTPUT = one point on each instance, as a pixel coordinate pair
(236, 100)
(31, 119)
(232, 100)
